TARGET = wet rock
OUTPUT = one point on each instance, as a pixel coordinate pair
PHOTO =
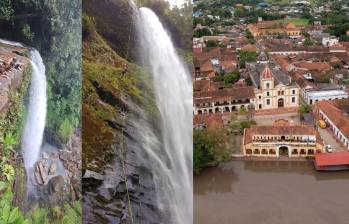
(56, 184)
(53, 169)
(93, 175)
(45, 155)
(105, 194)
(40, 172)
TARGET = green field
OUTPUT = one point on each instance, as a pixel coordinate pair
(296, 21)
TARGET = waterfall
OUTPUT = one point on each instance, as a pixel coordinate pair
(172, 163)
(36, 113)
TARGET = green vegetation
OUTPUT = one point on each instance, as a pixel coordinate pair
(231, 78)
(237, 125)
(308, 42)
(305, 108)
(247, 56)
(105, 90)
(54, 28)
(339, 24)
(210, 148)
(296, 21)
(228, 78)
(28, 34)
(249, 36)
(211, 43)
(202, 32)
(11, 124)
(6, 10)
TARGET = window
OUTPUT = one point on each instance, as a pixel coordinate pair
(267, 85)
(268, 101)
(259, 97)
(260, 106)
(293, 99)
(293, 91)
(268, 94)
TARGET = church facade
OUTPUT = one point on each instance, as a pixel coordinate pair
(272, 87)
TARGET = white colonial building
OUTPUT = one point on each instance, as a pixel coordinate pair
(311, 96)
(223, 100)
(335, 113)
(273, 88)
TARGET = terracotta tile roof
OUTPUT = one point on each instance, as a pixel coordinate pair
(226, 94)
(213, 121)
(206, 67)
(335, 158)
(249, 47)
(266, 74)
(207, 85)
(320, 66)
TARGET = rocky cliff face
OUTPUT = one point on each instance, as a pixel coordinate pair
(116, 185)
(14, 81)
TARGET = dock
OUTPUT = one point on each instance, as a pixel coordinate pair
(332, 161)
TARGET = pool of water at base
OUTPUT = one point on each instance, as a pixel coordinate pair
(270, 192)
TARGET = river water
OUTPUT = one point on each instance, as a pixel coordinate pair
(250, 192)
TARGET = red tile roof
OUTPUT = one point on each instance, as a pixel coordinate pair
(267, 74)
(213, 121)
(226, 94)
(336, 111)
(332, 159)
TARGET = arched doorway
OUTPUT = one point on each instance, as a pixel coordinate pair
(283, 151)
(281, 102)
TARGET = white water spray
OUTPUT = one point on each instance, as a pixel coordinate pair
(36, 116)
(36, 113)
(172, 165)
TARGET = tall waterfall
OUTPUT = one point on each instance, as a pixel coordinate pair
(172, 164)
(36, 115)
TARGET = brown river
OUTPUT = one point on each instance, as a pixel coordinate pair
(260, 192)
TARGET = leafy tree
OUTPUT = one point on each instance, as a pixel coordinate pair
(308, 42)
(6, 10)
(210, 148)
(211, 43)
(202, 32)
(247, 56)
(305, 108)
(27, 33)
(248, 81)
(218, 78)
(231, 78)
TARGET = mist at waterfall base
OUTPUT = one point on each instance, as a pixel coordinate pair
(171, 164)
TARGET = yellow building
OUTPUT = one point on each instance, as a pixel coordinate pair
(282, 139)
(266, 28)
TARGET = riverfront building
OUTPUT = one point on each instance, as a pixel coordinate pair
(282, 139)
(336, 115)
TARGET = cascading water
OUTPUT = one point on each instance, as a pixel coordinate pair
(36, 116)
(36, 113)
(172, 164)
